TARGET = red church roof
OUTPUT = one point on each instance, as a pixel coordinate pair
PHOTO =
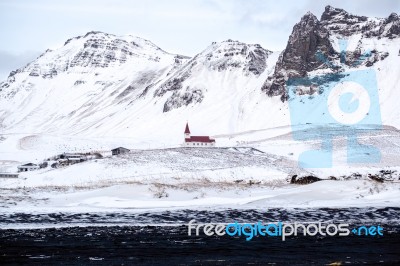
(205, 139)
(187, 131)
(200, 139)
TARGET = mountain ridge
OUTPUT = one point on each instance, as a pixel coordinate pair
(103, 84)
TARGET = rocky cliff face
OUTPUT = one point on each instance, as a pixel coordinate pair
(344, 24)
(311, 46)
(308, 40)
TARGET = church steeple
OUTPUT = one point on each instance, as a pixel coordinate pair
(187, 131)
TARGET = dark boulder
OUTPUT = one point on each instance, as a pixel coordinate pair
(304, 180)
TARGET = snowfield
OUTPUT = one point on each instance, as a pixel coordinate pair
(252, 170)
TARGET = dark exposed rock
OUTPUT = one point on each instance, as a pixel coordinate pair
(145, 91)
(43, 165)
(304, 180)
(354, 176)
(34, 74)
(50, 74)
(309, 47)
(255, 57)
(385, 175)
(257, 62)
(178, 99)
(127, 91)
(251, 182)
(376, 178)
(341, 22)
(293, 179)
(393, 23)
(79, 82)
(99, 50)
(308, 41)
(173, 84)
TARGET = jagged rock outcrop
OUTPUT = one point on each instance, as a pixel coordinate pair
(308, 41)
(340, 22)
(310, 46)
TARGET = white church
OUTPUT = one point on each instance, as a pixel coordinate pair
(197, 141)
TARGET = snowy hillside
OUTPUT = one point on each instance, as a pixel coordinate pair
(212, 69)
(87, 80)
(103, 85)
(192, 178)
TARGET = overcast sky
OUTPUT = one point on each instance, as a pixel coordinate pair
(187, 27)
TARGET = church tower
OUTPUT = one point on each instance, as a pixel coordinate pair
(187, 131)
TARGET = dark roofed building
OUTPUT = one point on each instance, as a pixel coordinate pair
(119, 150)
(28, 167)
(197, 141)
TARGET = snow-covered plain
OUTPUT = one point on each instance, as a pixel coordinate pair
(251, 170)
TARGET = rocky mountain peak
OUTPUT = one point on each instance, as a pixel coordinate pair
(392, 18)
(94, 50)
(309, 17)
(307, 24)
(391, 26)
(308, 40)
(311, 40)
(231, 54)
(343, 24)
(333, 14)
(339, 21)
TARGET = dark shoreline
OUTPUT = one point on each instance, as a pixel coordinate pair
(162, 239)
(170, 245)
(351, 215)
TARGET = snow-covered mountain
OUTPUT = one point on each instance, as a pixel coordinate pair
(76, 86)
(105, 85)
(227, 60)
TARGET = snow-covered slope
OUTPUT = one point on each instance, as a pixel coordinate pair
(87, 80)
(230, 61)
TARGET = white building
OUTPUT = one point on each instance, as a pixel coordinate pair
(197, 141)
(28, 167)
